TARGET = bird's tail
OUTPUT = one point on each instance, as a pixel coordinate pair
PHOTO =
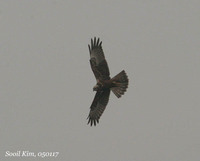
(120, 84)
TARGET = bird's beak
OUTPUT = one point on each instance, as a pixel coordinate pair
(95, 88)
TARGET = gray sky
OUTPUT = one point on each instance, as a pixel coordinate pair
(46, 81)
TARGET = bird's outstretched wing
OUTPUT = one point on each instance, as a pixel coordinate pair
(97, 60)
(98, 106)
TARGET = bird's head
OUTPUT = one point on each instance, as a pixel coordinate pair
(96, 87)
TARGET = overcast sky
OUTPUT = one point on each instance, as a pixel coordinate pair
(46, 81)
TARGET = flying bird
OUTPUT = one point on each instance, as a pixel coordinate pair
(118, 84)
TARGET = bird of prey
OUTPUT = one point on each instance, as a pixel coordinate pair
(105, 84)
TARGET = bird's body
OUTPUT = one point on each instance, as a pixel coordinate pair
(117, 84)
(103, 84)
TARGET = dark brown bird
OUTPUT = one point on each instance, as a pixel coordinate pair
(117, 84)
